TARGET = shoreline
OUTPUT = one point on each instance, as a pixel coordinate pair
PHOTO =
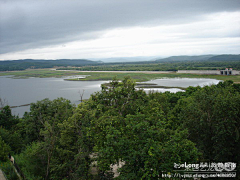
(17, 106)
(138, 76)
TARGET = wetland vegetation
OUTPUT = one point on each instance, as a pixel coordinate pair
(99, 76)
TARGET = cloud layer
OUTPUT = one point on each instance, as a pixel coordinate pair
(107, 28)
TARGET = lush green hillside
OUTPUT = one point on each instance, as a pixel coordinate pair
(185, 58)
(225, 58)
(36, 64)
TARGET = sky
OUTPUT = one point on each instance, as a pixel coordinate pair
(85, 29)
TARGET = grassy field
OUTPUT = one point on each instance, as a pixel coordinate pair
(95, 76)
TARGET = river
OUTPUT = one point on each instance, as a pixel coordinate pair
(16, 92)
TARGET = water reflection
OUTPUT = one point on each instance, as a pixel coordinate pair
(183, 82)
(173, 90)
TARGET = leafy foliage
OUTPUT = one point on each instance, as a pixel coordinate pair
(35, 64)
(7, 121)
(212, 118)
(128, 126)
(4, 150)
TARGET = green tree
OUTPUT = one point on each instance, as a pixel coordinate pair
(212, 117)
(4, 150)
(13, 139)
(126, 125)
(9, 129)
(42, 114)
(41, 126)
(7, 120)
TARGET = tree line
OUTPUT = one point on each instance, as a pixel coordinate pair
(159, 66)
(18, 65)
(144, 132)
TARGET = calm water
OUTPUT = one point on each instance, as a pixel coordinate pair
(184, 82)
(25, 91)
(179, 82)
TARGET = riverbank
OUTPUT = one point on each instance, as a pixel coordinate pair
(17, 106)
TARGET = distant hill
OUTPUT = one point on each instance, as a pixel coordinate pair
(225, 57)
(23, 64)
(130, 63)
(185, 58)
(127, 59)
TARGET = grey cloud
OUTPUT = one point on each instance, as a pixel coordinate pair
(28, 24)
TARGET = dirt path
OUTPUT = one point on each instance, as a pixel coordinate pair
(2, 177)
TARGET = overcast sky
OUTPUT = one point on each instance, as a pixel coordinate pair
(55, 29)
